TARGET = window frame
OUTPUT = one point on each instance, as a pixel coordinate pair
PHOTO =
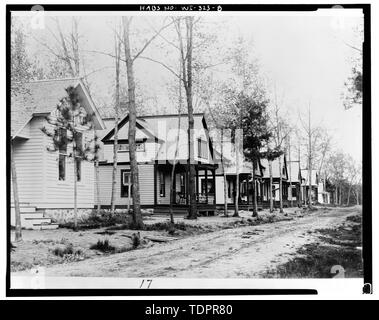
(202, 150)
(78, 169)
(294, 189)
(124, 188)
(61, 157)
(162, 182)
(62, 154)
(182, 178)
(127, 148)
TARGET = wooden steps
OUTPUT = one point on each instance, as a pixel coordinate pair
(33, 219)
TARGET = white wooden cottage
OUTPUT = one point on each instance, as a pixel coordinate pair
(155, 141)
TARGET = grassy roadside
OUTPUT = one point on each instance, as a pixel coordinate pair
(336, 247)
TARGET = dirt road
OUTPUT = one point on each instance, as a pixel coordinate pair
(245, 252)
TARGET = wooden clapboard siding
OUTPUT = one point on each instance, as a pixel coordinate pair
(148, 155)
(146, 180)
(60, 194)
(28, 155)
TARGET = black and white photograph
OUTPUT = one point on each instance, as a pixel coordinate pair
(191, 146)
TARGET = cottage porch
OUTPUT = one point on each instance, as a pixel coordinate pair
(204, 188)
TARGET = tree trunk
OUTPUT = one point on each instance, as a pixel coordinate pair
(310, 188)
(270, 191)
(237, 186)
(255, 204)
(18, 235)
(310, 159)
(356, 192)
(75, 190)
(280, 185)
(348, 195)
(137, 216)
(290, 170)
(224, 175)
(192, 211)
(116, 113)
(172, 191)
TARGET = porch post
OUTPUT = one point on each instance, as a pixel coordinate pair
(173, 200)
(187, 184)
(155, 184)
(248, 189)
(214, 185)
(206, 185)
(197, 182)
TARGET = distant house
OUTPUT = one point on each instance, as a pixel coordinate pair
(323, 195)
(294, 182)
(155, 141)
(305, 185)
(246, 190)
(45, 178)
(277, 172)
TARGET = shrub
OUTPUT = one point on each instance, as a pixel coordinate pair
(61, 252)
(136, 240)
(103, 246)
(357, 218)
(166, 226)
(95, 220)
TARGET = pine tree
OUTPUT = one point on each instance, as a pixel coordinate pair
(66, 127)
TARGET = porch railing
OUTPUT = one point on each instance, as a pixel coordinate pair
(201, 198)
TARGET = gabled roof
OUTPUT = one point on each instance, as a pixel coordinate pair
(163, 129)
(275, 168)
(294, 170)
(41, 97)
(304, 176)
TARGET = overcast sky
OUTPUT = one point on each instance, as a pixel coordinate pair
(304, 56)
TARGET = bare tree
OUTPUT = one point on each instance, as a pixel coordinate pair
(137, 216)
(281, 133)
(116, 114)
(129, 62)
(186, 50)
(352, 175)
(312, 134)
(290, 167)
(172, 191)
(18, 235)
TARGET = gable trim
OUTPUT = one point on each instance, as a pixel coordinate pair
(107, 137)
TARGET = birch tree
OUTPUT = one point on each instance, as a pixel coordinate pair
(116, 116)
(172, 191)
(281, 131)
(312, 135)
(129, 62)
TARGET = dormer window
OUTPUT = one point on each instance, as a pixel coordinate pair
(202, 150)
(124, 147)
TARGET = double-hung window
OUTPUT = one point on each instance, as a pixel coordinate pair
(62, 151)
(162, 185)
(125, 184)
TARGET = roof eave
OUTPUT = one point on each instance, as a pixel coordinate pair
(93, 106)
